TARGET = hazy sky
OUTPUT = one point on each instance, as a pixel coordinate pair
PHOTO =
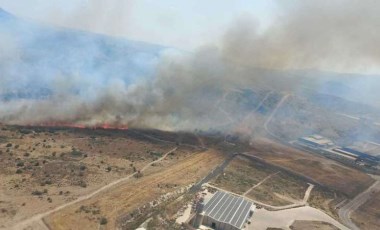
(178, 23)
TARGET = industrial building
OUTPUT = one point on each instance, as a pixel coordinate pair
(369, 162)
(224, 211)
(316, 141)
(358, 155)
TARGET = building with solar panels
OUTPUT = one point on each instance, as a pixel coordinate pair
(225, 211)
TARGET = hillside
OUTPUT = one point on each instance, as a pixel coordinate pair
(37, 55)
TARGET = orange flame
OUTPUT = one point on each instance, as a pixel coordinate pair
(81, 126)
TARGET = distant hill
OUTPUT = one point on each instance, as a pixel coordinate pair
(33, 55)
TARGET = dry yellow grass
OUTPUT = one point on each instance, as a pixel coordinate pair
(45, 162)
(241, 174)
(129, 196)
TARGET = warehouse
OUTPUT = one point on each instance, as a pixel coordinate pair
(316, 141)
(359, 155)
(225, 211)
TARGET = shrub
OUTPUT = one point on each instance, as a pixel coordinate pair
(37, 193)
(156, 154)
(138, 174)
(103, 221)
(76, 153)
(82, 184)
(25, 131)
(18, 171)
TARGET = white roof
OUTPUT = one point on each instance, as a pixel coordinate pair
(227, 208)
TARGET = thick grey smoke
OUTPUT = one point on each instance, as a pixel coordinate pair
(338, 35)
(186, 88)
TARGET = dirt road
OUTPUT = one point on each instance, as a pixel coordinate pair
(307, 193)
(36, 221)
(126, 198)
(258, 184)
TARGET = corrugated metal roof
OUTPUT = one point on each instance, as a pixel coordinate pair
(227, 208)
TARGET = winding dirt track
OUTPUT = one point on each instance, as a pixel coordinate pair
(128, 197)
(36, 221)
(258, 184)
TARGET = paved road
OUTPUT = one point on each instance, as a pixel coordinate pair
(215, 172)
(345, 211)
(263, 219)
(35, 221)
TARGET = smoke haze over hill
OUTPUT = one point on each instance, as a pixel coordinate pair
(89, 79)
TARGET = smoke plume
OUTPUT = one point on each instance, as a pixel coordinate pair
(185, 90)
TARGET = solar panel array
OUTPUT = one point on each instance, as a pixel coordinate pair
(227, 208)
